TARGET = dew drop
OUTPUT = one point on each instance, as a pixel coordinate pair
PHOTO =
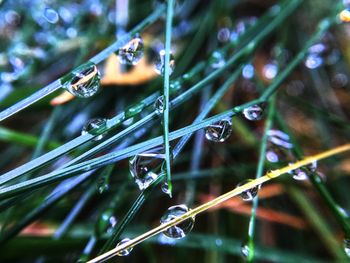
(106, 223)
(253, 113)
(102, 185)
(270, 70)
(95, 127)
(224, 34)
(346, 243)
(51, 15)
(165, 188)
(301, 174)
(124, 252)
(159, 105)
(219, 131)
(217, 60)
(180, 230)
(245, 250)
(132, 52)
(248, 71)
(160, 61)
(249, 194)
(142, 166)
(313, 61)
(84, 81)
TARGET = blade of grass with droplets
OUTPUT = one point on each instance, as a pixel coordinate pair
(143, 196)
(259, 173)
(55, 85)
(168, 29)
(141, 105)
(222, 198)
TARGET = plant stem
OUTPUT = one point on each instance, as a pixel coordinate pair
(169, 19)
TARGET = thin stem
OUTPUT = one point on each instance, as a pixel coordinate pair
(259, 173)
(222, 198)
(169, 19)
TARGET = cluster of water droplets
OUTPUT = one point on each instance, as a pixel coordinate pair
(219, 131)
(323, 52)
(181, 229)
(232, 33)
(278, 146)
(144, 167)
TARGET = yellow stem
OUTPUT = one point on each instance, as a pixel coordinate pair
(222, 198)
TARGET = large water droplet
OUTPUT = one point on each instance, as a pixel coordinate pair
(132, 52)
(249, 194)
(346, 243)
(95, 127)
(180, 230)
(159, 105)
(253, 113)
(106, 223)
(51, 15)
(143, 166)
(219, 131)
(159, 64)
(124, 252)
(84, 81)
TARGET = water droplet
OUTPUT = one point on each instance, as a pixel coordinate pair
(159, 64)
(219, 131)
(132, 52)
(253, 113)
(313, 61)
(217, 60)
(124, 252)
(103, 184)
(346, 243)
(270, 70)
(84, 81)
(51, 15)
(224, 34)
(301, 173)
(279, 138)
(248, 71)
(159, 105)
(249, 194)
(180, 230)
(340, 80)
(165, 188)
(142, 166)
(245, 250)
(106, 223)
(345, 15)
(278, 146)
(95, 127)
